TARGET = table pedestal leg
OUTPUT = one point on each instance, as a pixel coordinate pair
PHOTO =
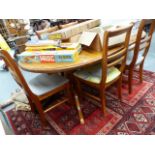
(77, 102)
(79, 109)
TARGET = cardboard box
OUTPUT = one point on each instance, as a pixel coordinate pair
(93, 39)
(47, 30)
(20, 40)
(43, 34)
(73, 30)
(75, 38)
(21, 48)
(68, 25)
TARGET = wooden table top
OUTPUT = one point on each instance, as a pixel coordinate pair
(86, 57)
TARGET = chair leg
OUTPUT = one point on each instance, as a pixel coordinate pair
(130, 75)
(141, 72)
(33, 109)
(41, 112)
(120, 88)
(103, 101)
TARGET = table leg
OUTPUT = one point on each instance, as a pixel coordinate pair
(79, 109)
(77, 102)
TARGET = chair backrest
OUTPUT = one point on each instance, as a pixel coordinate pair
(15, 72)
(116, 56)
(143, 43)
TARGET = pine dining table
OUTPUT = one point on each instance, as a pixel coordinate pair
(86, 57)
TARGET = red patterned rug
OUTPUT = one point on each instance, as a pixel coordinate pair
(134, 115)
(131, 99)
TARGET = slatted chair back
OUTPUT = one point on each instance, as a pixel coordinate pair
(143, 44)
(15, 72)
(112, 58)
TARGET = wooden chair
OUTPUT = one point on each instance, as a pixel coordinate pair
(40, 88)
(137, 52)
(104, 74)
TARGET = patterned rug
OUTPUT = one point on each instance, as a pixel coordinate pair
(134, 115)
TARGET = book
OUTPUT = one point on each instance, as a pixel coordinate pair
(49, 56)
(69, 46)
(3, 44)
(63, 56)
(36, 43)
(63, 46)
(56, 36)
(36, 57)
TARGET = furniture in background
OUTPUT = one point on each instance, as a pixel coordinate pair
(53, 22)
(18, 43)
(15, 27)
(3, 29)
(108, 71)
(40, 88)
(137, 51)
(14, 32)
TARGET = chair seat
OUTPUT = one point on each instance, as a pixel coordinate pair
(94, 73)
(43, 83)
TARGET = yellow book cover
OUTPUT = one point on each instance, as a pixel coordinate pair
(3, 44)
(63, 46)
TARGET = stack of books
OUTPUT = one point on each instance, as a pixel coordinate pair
(45, 51)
